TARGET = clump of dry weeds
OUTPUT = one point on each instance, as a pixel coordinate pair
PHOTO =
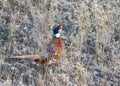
(91, 35)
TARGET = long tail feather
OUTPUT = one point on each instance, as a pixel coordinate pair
(27, 57)
(35, 58)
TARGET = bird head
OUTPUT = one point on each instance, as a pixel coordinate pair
(56, 30)
(59, 27)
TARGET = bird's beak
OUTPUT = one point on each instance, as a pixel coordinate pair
(60, 30)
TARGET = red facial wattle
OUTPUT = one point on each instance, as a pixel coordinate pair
(59, 27)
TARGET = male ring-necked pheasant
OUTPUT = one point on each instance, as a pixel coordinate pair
(53, 51)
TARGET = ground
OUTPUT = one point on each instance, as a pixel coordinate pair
(91, 37)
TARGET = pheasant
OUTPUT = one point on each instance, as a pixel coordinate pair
(53, 51)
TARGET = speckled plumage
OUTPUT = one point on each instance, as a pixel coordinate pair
(52, 52)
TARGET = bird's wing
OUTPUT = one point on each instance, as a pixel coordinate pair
(51, 50)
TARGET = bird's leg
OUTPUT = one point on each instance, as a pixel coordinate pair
(43, 60)
(55, 63)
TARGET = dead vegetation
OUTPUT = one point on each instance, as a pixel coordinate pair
(91, 35)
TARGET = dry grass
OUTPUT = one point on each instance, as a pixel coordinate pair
(93, 19)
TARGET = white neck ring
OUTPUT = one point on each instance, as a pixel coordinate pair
(57, 35)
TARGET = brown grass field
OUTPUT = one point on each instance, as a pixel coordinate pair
(91, 37)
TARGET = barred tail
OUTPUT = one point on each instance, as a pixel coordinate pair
(27, 57)
(35, 58)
